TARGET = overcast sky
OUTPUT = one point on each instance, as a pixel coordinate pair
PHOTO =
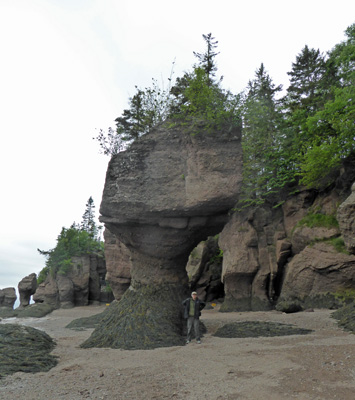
(68, 67)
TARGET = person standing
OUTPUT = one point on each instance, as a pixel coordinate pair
(192, 311)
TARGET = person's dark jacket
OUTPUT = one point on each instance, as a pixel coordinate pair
(199, 305)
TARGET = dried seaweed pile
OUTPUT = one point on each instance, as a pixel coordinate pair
(258, 328)
(24, 349)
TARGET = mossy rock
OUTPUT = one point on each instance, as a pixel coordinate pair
(24, 349)
(346, 317)
(88, 322)
(321, 300)
(145, 318)
(6, 312)
(36, 310)
(258, 328)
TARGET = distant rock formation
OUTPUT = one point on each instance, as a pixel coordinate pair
(82, 285)
(26, 288)
(7, 297)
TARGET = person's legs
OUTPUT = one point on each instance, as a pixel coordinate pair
(197, 328)
(190, 322)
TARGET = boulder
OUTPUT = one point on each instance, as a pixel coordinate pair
(27, 287)
(8, 297)
(169, 191)
(316, 274)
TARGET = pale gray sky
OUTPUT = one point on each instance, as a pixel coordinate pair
(68, 67)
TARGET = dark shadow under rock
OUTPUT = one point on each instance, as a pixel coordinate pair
(258, 328)
(145, 318)
(24, 349)
(346, 317)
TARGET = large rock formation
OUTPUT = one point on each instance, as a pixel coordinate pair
(26, 288)
(8, 297)
(170, 190)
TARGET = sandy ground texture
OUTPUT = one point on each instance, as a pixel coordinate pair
(320, 365)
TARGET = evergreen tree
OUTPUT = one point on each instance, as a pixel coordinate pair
(88, 220)
(332, 129)
(305, 96)
(207, 59)
(265, 168)
(305, 90)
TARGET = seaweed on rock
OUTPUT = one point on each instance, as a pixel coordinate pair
(25, 349)
(145, 318)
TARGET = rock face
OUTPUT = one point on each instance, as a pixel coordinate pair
(270, 257)
(172, 189)
(318, 270)
(79, 287)
(118, 265)
(8, 297)
(250, 262)
(346, 218)
(27, 287)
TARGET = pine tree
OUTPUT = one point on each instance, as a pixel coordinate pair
(88, 220)
(263, 165)
(207, 59)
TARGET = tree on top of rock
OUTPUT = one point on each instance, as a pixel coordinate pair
(207, 59)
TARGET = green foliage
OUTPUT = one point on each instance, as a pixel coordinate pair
(217, 257)
(265, 167)
(345, 295)
(313, 220)
(70, 243)
(194, 98)
(206, 101)
(42, 275)
(338, 244)
(73, 242)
